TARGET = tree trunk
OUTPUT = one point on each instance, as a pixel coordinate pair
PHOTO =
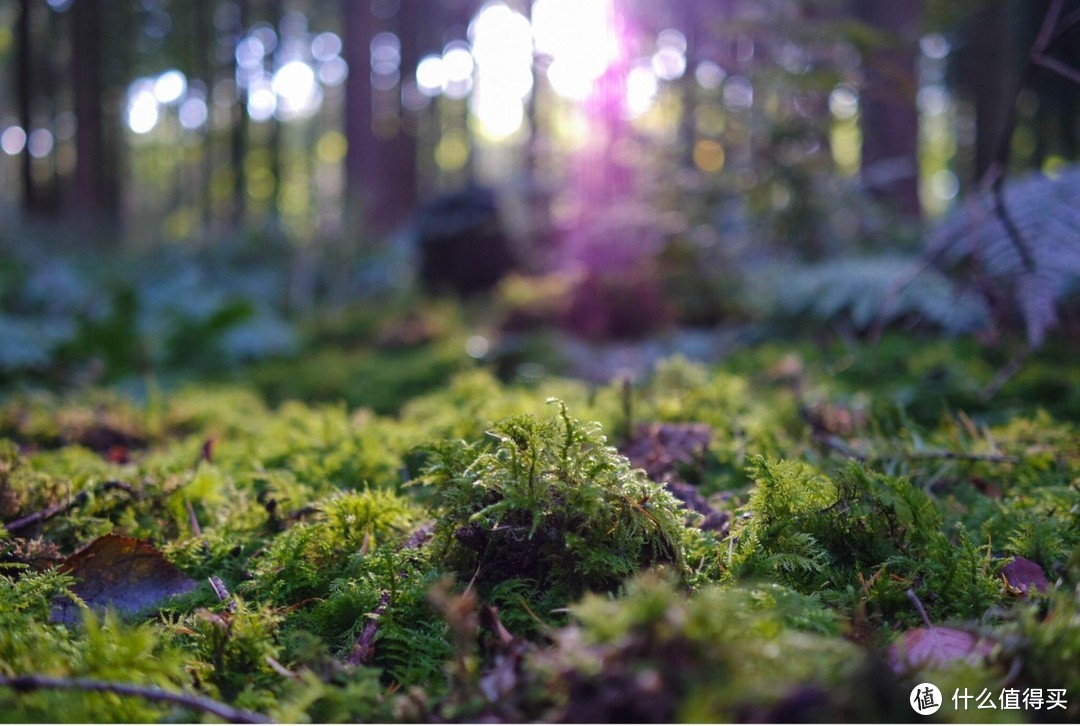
(992, 73)
(239, 137)
(359, 28)
(96, 191)
(890, 120)
(32, 202)
(396, 188)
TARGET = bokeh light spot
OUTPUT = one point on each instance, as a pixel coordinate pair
(331, 147)
(710, 75)
(325, 46)
(844, 102)
(193, 113)
(709, 156)
(944, 184)
(170, 86)
(452, 152)
(142, 109)
(40, 144)
(13, 140)
(430, 75)
(477, 346)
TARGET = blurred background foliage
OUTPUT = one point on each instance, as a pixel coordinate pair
(206, 186)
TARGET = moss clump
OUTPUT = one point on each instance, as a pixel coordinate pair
(551, 502)
(720, 655)
(859, 537)
(303, 560)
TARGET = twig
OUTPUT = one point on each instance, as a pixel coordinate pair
(628, 406)
(192, 519)
(1057, 66)
(1003, 376)
(838, 445)
(150, 693)
(222, 592)
(964, 456)
(45, 514)
(364, 650)
(918, 606)
(1013, 231)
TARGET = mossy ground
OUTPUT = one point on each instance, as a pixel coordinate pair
(477, 552)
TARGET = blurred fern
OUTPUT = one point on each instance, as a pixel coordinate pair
(876, 291)
(1025, 259)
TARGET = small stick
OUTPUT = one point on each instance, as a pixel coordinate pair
(192, 519)
(150, 693)
(364, 650)
(45, 514)
(964, 456)
(1003, 376)
(918, 606)
(222, 592)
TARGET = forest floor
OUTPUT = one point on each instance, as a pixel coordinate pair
(444, 526)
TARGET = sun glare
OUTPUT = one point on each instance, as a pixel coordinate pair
(142, 106)
(503, 51)
(579, 37)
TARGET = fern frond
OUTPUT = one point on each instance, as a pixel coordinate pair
(1034, 275)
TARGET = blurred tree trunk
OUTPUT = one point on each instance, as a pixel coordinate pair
(381, 159)
(890, 119)
(689, 84)
(360, 174)
(31, 200)
(397, 152)
(96, 191)
(239, 136)
(206, 66)
(990, 73)
(275, 143)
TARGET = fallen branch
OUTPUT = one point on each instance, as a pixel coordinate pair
(838, 445)
(364, 649)
(45, 514)
(64, 507)
(150, 693)
(1003, 376)
(964, 456)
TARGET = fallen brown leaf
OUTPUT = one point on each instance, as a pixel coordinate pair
(1022, 576)
(936, 647)
(124, 573)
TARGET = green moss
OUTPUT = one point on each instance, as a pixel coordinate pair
(300, 509)
(720, 655)
(301, 562)
(859, 536)
(550, 502)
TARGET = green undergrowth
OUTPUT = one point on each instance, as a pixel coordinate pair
(552, 506)
(486, 553)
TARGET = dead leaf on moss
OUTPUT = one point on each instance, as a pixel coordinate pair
(987, 488)
(108, 440)
(660, 449)
(1022, 576)
(124, 573)
(936, 648)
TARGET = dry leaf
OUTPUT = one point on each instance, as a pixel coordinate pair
(124, 573)
(936, 648)
(1022, 576)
